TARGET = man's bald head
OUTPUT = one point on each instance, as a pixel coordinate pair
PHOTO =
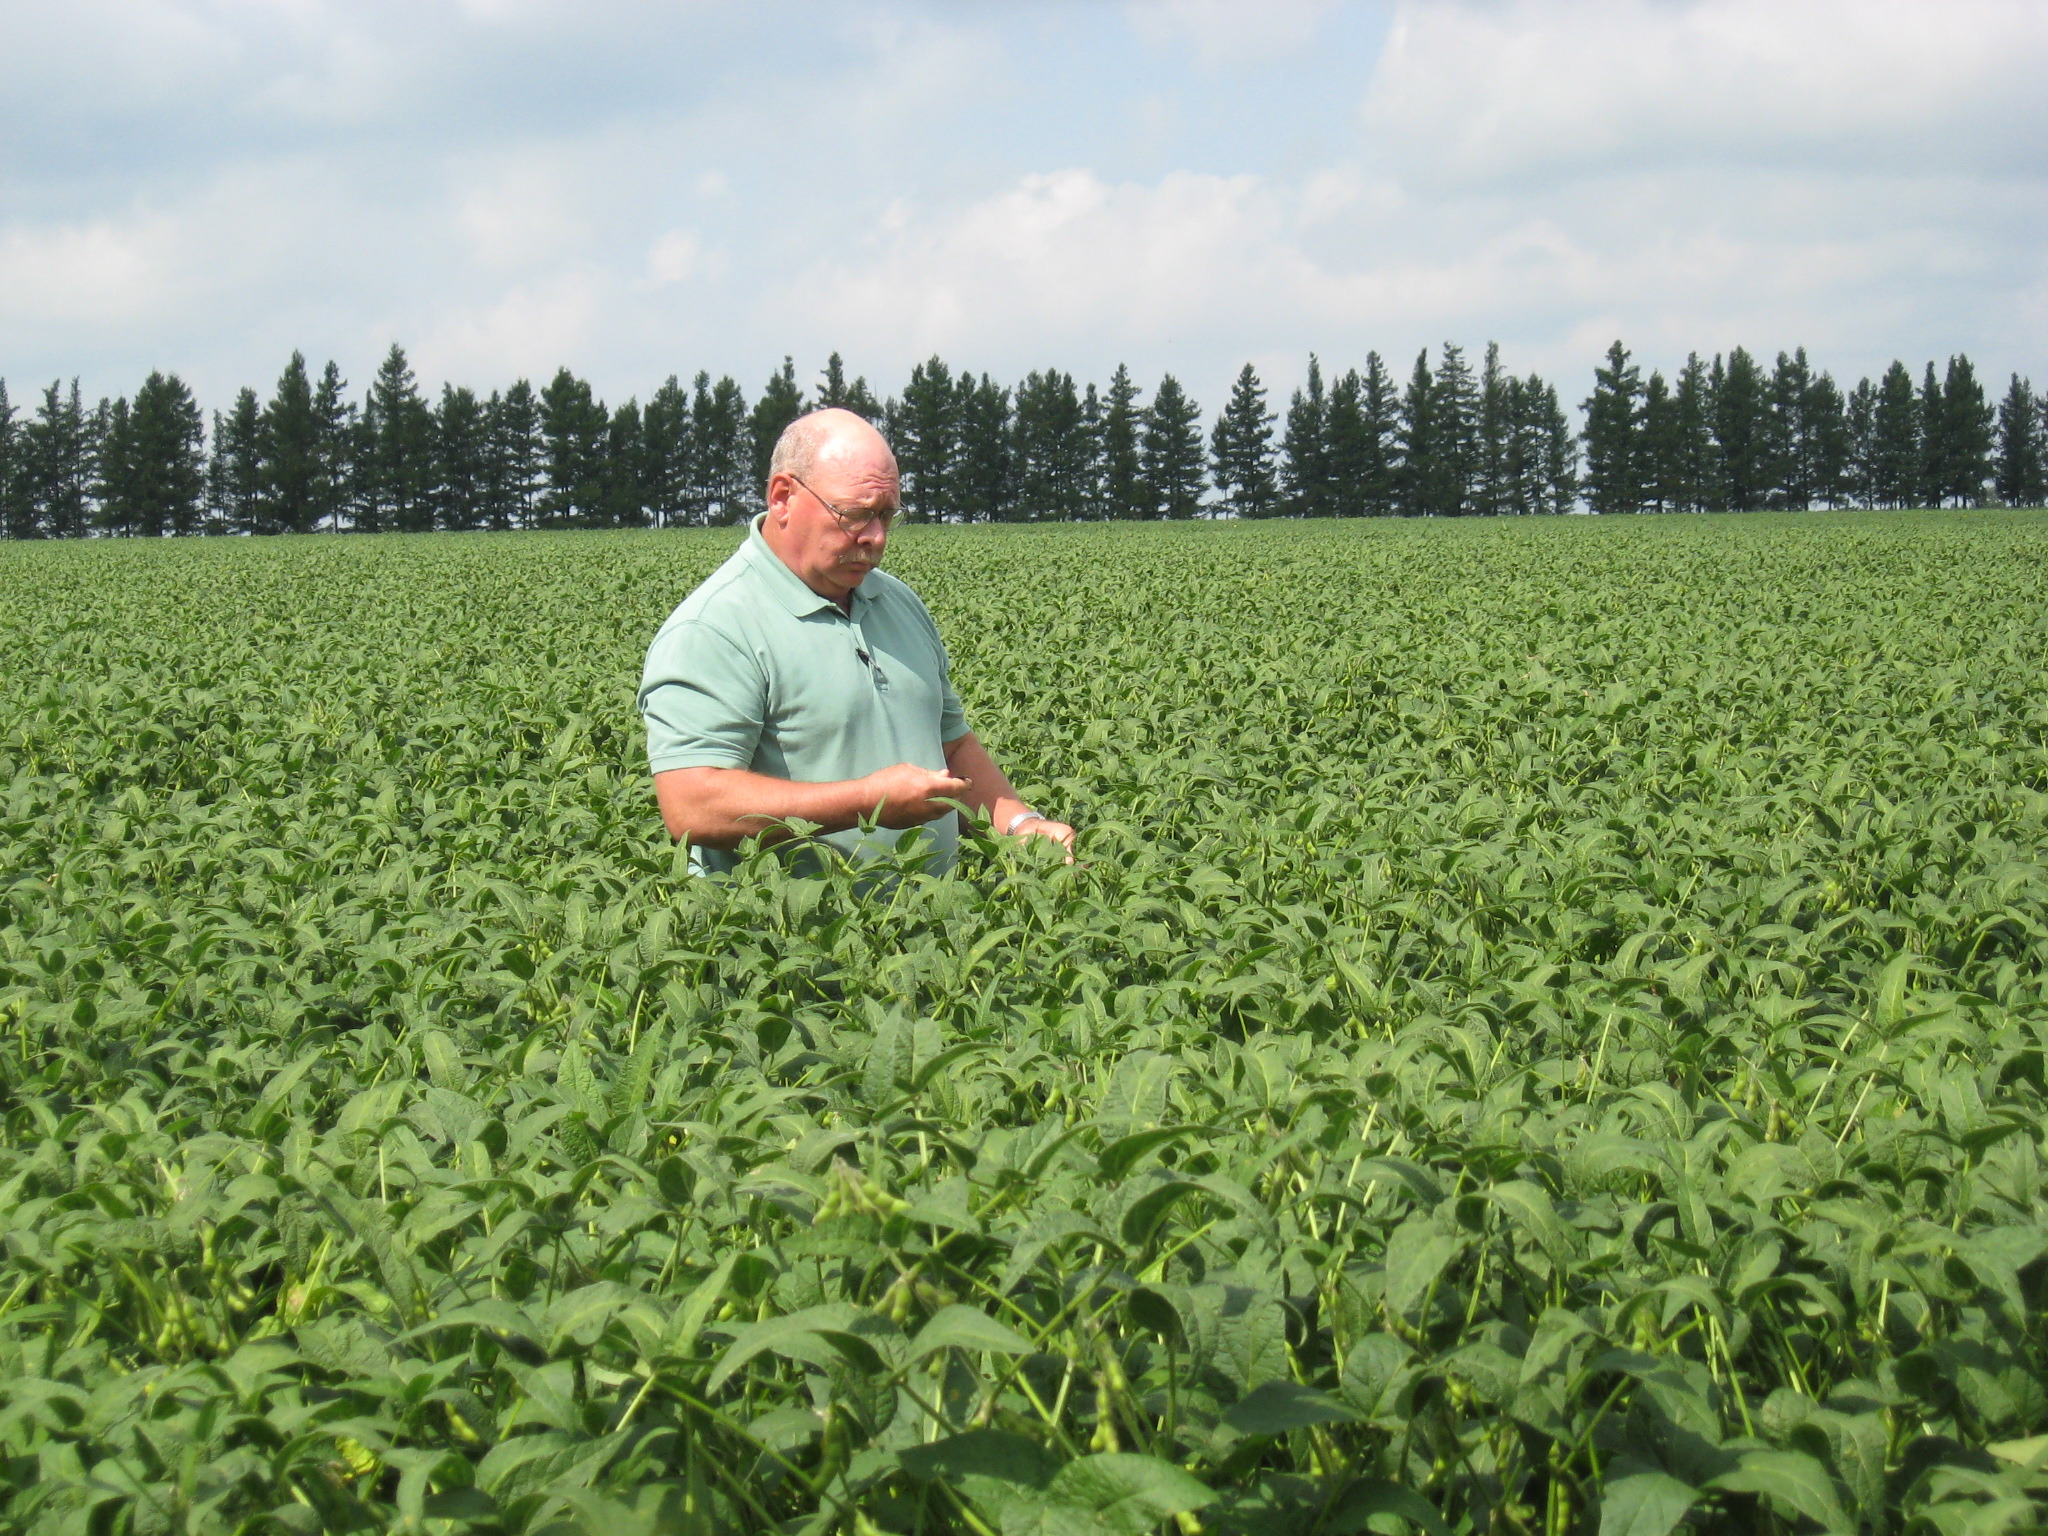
(832, 493)
(830, 436)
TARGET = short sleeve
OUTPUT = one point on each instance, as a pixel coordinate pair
(952, 716)
(703, 698)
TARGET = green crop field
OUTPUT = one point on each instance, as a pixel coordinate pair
(1546, 1033)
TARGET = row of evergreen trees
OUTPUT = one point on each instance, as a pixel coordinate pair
(971, 449)
(1450, 441)
(1726, 435)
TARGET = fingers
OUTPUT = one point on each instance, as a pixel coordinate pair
(910, 795)
(1058, 831)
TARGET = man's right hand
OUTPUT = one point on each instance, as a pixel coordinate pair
(907, 795)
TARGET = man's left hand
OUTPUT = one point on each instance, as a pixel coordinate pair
(1040, 826)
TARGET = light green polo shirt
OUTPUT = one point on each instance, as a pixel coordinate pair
(755, 670)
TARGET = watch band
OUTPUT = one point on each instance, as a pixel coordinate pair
(1019, 819)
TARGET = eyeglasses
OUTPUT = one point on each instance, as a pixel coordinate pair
(852, 522)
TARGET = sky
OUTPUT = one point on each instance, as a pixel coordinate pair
(632, 189)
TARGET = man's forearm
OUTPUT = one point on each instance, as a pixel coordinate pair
(719, 807)
(989, 790)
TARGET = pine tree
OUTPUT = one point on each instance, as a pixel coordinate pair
(1542, 451)
(1861, 417)
(1662, 465)
(1123, 480)
(165, 458)
(665, 442)
(924, 429)
(861, 401)
(1521, 483)
(780, 403)
(1930, 487)
(2022, 476)
(1560, 447)
(462, 451)
(574, 427)
(740, 496)
(1416, 472)
(623, 476)
(58, 453)
(14, 519)
(1456, 466)
(1693, 409)
(1379, 405)
(1741, 434)
(721, 489)
(1052, 449)
(290, 441)
(1353, 453)
(395, 452)
(1825, 444)
(513, 464)
(833, 390)
(116, 511)
(1613, 436)
(1786, 453)
(1241, 449)
(1091, 487)
(1304, 449)
(335, 432)
(699, 505)
(983, 489)
(234, 474)
(1966, 434)
(1170, 456)
(832, 385)
(1491, 491)
(1895, 440)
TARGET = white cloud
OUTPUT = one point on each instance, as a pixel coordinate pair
(84, 274)
(1503, 93)
(209, 183)
(1059, 258)
(527, 333)
(1861, 178)
(1200, 271)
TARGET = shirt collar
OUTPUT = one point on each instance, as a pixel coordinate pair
(788, 587)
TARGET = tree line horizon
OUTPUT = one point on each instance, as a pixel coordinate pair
(1725, 434)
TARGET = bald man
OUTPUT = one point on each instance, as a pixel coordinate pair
(800, 681)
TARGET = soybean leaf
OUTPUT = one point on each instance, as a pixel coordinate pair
(1121, 1494)
(1279, 1406)
(1122, 1155)
(1644, 1504)
(791, 1335)
(1529, 1206)
(1371, 1496)
(1417, 1255)
(962, 1327)
(1790, 1478)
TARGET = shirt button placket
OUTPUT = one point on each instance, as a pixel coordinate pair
(866, 654)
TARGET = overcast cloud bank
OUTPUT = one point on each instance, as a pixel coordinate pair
(639, 189)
